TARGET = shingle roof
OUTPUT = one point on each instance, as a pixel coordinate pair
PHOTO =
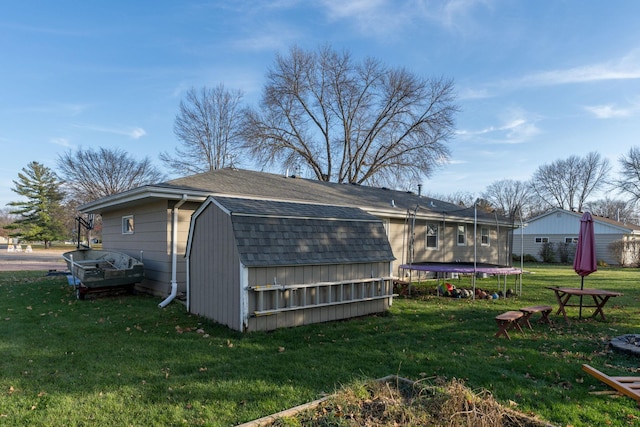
(245, 183)
(272, 233)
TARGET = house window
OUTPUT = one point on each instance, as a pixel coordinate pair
(542, 240)
(431, 238)
(462, 237)
(571, 240)
(127, 224)
(484, 236)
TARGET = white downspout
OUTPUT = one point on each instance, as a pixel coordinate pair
(174, 252)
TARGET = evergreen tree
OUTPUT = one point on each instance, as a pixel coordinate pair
(40, 215)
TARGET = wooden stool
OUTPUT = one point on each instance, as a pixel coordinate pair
(542, 309)
(508, 320)
(401, 286)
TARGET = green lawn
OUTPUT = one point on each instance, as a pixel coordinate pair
(123, 361)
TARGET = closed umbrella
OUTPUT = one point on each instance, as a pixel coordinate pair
(585, 262)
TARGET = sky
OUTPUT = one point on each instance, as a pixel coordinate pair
(536, 81)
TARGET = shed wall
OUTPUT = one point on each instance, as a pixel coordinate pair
(214, 269)
(316, 274)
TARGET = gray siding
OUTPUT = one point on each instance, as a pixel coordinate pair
(214, 270)
(448, 249)
(152, 235)
(317, 315)
(532, 248)
(314, 274)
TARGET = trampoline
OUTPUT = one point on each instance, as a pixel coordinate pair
(466, 268)
(462, 268)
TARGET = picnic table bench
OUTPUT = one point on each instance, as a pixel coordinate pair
(599, 296)
(507, 321)
(544, 310)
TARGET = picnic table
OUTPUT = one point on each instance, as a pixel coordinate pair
(600, 298)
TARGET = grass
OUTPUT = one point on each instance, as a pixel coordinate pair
(123, 361)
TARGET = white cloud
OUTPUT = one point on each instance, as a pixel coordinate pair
(608, 111)
(387, 17)
(64, 142)
(625, 68)
(135, 133)
(470, 93)
(516, 129)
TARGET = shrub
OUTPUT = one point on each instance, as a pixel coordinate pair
(617, 248)
(547, 253)
(565, 251)
(525, 258)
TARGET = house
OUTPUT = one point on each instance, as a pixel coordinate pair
(262, 264)
(561, 227)
(153, 221)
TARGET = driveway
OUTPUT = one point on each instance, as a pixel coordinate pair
(47, 259)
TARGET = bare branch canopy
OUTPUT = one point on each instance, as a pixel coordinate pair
(351, 122)
(208, 127)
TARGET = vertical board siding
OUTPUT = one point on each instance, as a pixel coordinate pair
(214, 269)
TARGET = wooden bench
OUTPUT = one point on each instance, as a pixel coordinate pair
(544, 310)
(507, 321)
(401, 286)
(629, 386)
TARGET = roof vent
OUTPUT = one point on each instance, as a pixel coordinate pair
(393, 203)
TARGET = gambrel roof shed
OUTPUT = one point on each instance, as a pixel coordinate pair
(238, 247)
(272, 233)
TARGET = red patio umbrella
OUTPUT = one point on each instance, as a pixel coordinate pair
(585, 261)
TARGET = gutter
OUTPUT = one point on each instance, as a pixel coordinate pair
(174, 252)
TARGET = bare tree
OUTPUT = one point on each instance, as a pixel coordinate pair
(89, 175)
(351, 122)
(460, 198)
(616, 209)
(629, 178)
(568, 183)
(208, 127)
(509, 197)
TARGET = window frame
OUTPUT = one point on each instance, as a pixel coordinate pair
(485, 232)
(128, 225)
(541, 240)
(461, 231)
(431, 226)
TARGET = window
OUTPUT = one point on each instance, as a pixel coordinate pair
(571, 240)
(127, 224)
(542, 240)
(484, 236)
(431, 238)
(462, 238)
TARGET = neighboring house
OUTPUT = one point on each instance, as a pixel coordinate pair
(261, 264)
(560, 226)
(153, 220)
